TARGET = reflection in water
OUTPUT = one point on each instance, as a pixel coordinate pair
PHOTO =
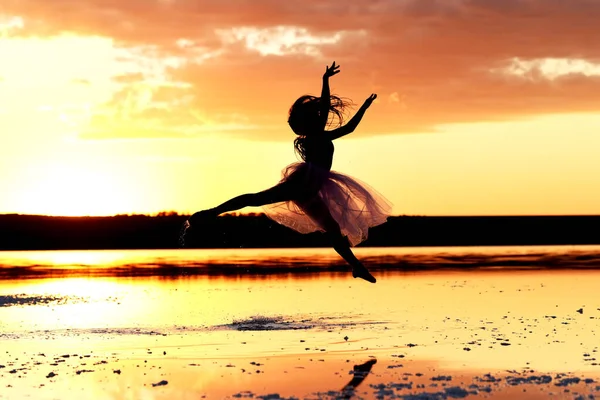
(359, 373)
(214, 336)
(242, 263)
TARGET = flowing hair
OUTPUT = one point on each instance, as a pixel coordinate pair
(304, 116)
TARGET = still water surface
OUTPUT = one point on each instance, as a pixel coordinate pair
(248, 263)
(200, 318)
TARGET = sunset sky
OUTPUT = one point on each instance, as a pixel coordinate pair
(485, 107)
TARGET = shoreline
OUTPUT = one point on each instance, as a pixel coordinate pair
(32, 232)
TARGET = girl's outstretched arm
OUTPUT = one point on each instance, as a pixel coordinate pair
(353, 123)
(325, 94)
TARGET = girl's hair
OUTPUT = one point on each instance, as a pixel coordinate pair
(304, 118)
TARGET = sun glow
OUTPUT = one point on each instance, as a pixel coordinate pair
(51, 90)
(72, 190)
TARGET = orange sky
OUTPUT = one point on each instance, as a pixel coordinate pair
(485, 107)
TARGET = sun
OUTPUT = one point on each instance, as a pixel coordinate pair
(76, 190)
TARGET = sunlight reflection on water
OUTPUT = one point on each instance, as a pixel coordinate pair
(208, 333)
(245, 262)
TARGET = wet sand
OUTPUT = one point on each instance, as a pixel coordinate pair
(413, 335)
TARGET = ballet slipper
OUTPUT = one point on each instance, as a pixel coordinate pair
(362, 272)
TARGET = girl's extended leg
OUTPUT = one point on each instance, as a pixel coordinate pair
(282, 192)
(318, 211)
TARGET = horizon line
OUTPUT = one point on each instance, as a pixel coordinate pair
(251, 214)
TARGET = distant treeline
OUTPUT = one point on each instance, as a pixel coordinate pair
(29, 232)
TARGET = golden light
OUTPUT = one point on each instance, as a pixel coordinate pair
(49, 170)
(71, 189)
(89, 127)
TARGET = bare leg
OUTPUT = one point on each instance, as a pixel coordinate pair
(281, 192)
(318, 211)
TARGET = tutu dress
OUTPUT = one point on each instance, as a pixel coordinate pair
(354, 205)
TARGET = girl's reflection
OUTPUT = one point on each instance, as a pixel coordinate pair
(360, 372)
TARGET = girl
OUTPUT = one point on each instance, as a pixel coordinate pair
(310, 196)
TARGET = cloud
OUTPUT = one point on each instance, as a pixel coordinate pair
(158, 113)
(549, 68)
(281, 40)
(455, 60)
(9, 24)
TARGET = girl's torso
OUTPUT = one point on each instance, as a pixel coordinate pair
(319, 151)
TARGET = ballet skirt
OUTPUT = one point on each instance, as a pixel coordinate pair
(354, 205)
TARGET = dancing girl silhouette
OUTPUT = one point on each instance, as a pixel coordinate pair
(310, 197)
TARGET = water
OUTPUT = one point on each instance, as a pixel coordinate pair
(207, 320)
(296, 263)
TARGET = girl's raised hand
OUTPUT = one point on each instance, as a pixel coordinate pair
(331, 71)
(370, 99)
